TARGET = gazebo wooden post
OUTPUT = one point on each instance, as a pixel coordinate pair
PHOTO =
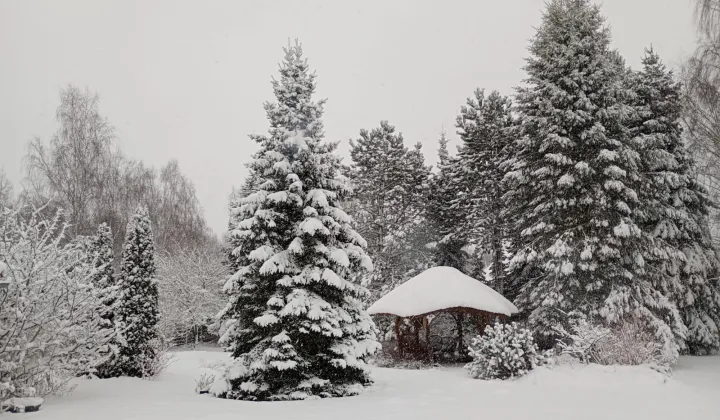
(426, 324)
(416, 327)
(459, 321)
(397, 336)
(480, 322)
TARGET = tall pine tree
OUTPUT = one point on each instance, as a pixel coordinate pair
(443, 215)
(297, 326)
(683, 262)
(136, 307)
(575, 184)
(484, 126)
(389, 185)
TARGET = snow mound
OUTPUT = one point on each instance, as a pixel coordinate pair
(441, 288)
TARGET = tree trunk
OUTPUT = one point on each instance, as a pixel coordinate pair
(459, 321)
(427, 338)
(498, 262)
(397, 336)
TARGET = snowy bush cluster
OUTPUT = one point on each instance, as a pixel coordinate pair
(64, 312)
(51, 327)
(624, 344)
(505, 351)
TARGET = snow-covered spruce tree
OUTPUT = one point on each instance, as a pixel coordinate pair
(683, 263)
(136, 307)
(101, 250)
(389, 182)
(98, 251)
(575, 182)
(484, 126)
(50, 324)
(296, 323)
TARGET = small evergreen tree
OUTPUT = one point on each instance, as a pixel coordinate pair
(505, 351)
(136, 307)
(683, 260)
(575, 183)
(296, 323)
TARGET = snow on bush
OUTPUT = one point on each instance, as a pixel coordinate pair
(204, 382)
(628, 343)
(159, 359)
(504, 351)
(50, 314)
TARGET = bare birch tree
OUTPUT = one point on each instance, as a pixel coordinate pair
(6, 189)
(701, 77)
(72, 168)
(82, 171)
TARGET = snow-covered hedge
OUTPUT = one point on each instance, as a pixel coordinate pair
(50, 314)
(625, 344)
(504, 351)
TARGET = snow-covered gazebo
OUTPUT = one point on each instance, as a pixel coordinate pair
(436, 290)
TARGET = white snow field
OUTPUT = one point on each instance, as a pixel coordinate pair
(564, 392)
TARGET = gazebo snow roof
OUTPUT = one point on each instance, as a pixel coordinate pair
(441, 288)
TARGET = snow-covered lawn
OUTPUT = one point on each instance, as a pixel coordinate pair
(565, 392)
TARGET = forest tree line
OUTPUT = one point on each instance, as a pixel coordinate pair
(589, 192)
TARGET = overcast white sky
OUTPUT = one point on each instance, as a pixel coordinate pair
(187, 79)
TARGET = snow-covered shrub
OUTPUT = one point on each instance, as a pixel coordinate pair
(204, 382)
(157, 360)
(504, 351)
(50, 314)
(583, 341)
(628, 343)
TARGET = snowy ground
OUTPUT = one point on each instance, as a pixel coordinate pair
(565, 392)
